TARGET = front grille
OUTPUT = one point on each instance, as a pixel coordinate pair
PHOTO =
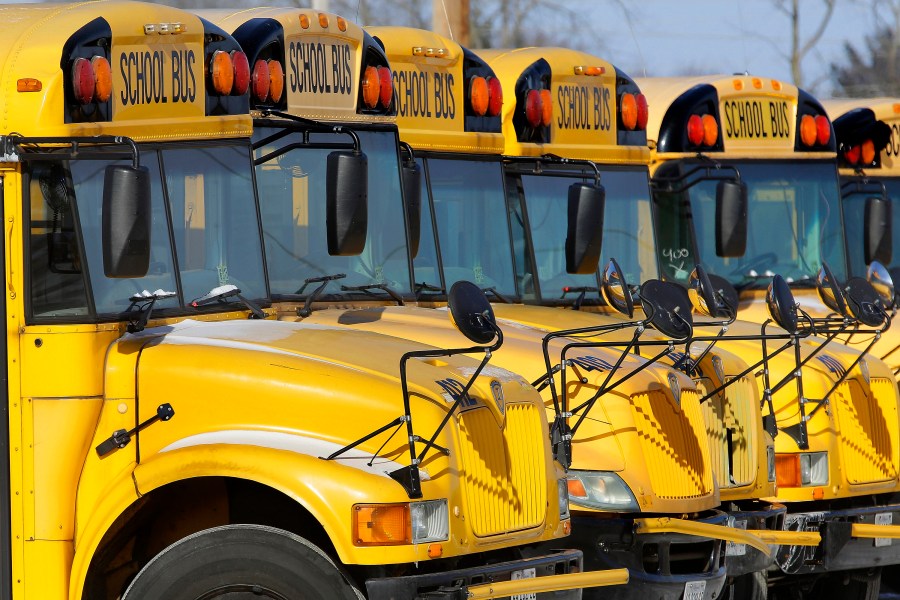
(676, 454)
(731, 425)
(868, 430)
(505, 476)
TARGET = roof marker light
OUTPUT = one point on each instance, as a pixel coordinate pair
(776, 85)
(323, 20)
(342, 24)
(304, 21)
(590, 71)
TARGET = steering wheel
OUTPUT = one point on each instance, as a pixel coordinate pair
(758, 263)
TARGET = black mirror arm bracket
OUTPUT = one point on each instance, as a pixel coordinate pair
(14, 147)
(714, 172)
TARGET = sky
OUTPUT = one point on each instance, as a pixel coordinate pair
(674, 37)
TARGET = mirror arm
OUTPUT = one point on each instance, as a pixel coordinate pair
(864, 185)
(540, 165)
(713, 172)
(24, 147)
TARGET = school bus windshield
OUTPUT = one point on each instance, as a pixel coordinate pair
(794, 224)
(202, 198)
(292, 198)
(854, 213)
(627, 228)
(472, 228)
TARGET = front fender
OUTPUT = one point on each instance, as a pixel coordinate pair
(326, 489)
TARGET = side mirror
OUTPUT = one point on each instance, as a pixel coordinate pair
(615, 289)
(877, 231)
(668, 308)
(471, 312)
(862, 301)
(881, 280)
(830, 291)
(731, 218)
(126, 221)
(346, 202)
(411, 176)
(781, 304)
(701, 293)
(585, 228)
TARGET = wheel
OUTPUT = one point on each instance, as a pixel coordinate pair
(753, 586)
(864, 584)
(236, 562)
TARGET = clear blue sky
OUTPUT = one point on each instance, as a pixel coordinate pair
(672, 36)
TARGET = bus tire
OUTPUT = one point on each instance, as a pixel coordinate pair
(752, 586)
(258, 560)
(862, 584)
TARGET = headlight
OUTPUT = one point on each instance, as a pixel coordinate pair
(600, 489)
(401, 523)
(430, 521)
(562, 487)
(804, 469)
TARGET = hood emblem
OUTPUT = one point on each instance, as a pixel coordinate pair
(497, 392)
(675, 386)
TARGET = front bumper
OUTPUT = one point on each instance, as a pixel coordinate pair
(856, 538)
(557, 575)
(758, 516)
(662, 565)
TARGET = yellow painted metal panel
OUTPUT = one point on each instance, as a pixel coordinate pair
(868, 432)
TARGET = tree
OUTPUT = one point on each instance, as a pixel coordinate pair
(800, 47)
(873, 70)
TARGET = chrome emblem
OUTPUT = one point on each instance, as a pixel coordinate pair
(675, 386)
(497, 391)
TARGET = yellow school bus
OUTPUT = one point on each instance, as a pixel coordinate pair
(867, 133)
(465, 235)
(187, 446)
(370, 291)
(598, 126)
(837, 445)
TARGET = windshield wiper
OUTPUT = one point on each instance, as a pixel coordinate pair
(498, 295)
(427, 287)
(375, 286)
(143, 302)
(305, 310)
(581, 291)
(222, 293)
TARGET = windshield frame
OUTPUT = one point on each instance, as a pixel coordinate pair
(282, 127)
(425, 158)
(158, 151)
(680, 165)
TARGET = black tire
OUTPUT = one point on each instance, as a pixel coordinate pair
(234, 562)
(753, 586)
(863, 584)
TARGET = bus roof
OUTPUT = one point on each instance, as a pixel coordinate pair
(767, 128)
(431, 83)
(584, 92)
(156, 70)
(325, 62)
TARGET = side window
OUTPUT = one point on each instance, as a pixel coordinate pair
(56, 283)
